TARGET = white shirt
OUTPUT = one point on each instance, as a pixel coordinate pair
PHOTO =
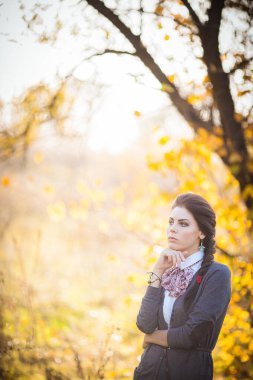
(196, 259)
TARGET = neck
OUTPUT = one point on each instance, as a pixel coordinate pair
(191, 252)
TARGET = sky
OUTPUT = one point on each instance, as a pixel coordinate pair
(25, 62)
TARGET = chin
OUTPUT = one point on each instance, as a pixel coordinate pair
(174, 245)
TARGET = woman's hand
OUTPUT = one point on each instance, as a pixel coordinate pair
(157, 337)
(145, 341)
(168, 258)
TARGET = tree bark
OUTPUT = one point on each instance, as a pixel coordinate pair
(209, 35)
(234, 139)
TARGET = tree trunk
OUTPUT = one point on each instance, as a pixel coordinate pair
(234, 139)
(236, 157)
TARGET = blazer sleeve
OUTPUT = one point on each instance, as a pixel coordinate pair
(147, 318)
(209, 307)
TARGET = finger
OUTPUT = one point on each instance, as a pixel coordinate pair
(178, 258)
(181, 257)
(184, 253)
(167, 258)
(171, 260)
(174, 260)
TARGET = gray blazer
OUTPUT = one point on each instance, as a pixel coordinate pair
(192, 334)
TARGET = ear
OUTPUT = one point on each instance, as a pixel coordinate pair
(201, 235)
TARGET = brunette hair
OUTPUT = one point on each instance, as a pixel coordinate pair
(206, 220)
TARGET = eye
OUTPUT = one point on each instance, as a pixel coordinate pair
(170, 222)
(184, 224)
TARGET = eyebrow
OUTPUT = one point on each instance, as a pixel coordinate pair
(180, 220)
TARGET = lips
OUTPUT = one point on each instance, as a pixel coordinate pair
(172, 238)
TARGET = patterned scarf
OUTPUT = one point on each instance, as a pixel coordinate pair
(176, 280)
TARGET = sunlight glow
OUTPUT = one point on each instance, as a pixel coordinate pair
(116, 125)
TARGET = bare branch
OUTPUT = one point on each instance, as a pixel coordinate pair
(111, 51)
(193, 14)
(185, 109)
(241, 65)
(226, 253)
(214, 14)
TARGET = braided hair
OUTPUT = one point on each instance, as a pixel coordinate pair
(206, 220)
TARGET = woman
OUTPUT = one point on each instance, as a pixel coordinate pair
(186, 300)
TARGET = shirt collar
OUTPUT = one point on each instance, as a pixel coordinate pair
(192, 259)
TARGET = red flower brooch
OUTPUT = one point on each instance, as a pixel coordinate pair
(199, 279)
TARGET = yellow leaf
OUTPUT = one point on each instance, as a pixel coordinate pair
(159, 10)
(166, 37)
(171, 78)
(48, 189)
(56, 211)
(111, 257)
(244, 358)
(235, 157)
(250, 166)
(222, 152)
(159, 25)
(238, 117)
(250, 346)
(247, 192)
(137, 113)
(128, 300)
(43, 38)
(241, 93)
(206, 79)
(111, 374)
(167, 88)
(235, 169)
(131, 278)
(154, 165)
(38, 157)
(5, 181)
(163, 140)
(193, 99)
(218, 131)
(203, 133)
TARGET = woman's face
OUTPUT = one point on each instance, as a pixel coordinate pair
(185, 231)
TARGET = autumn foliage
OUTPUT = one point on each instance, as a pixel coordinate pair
(69, 308)
(79, 230)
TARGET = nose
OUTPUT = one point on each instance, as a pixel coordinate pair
(172, 229)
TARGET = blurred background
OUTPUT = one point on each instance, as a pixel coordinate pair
(109, 110)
